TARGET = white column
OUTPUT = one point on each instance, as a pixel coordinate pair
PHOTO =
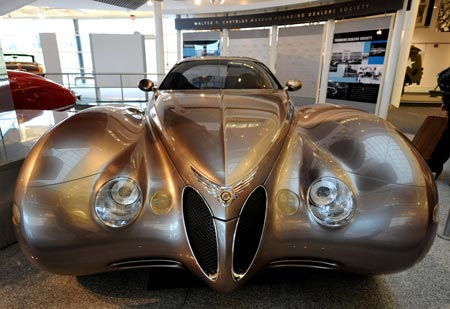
(159, 39)
(225, 39)
(273, 48)
(405, 45)
(327, 44)
(179, 44)
(391, 59)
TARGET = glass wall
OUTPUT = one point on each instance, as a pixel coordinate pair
(170, 43)
(22, 36)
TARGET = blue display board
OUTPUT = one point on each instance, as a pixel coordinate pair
(356, 65)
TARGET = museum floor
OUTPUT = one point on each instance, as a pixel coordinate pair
(427, 285)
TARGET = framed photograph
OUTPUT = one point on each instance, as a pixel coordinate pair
(422, 15)
(443, 20)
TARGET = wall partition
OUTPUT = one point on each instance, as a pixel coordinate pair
(299, 52)
(251, 43)
(118, 60)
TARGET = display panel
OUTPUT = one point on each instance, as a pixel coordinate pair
(198, 44)
(117, 58)
(201, 48)
(356, 65)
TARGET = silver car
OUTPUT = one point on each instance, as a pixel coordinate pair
(223, 177)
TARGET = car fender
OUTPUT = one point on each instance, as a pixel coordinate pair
(363, 144)
(59, 180)
(83, 145)
(395, 195)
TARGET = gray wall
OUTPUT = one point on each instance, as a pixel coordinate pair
(250, 43)
(298, 57)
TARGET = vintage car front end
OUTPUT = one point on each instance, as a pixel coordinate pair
(225, 183)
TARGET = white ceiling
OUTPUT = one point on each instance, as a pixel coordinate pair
(93, 9)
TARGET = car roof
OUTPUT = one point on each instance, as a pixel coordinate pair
(225, 58)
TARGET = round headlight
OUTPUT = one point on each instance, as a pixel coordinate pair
(287, 202)
(118, 202)
(330, 201)
(125, 192)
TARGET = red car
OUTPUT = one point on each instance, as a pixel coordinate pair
(30, 91)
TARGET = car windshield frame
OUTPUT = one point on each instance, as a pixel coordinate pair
(19, 58)
(222, 74)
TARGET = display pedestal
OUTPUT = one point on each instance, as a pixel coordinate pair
(19, 131)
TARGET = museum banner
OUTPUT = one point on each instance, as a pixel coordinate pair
(349, 9)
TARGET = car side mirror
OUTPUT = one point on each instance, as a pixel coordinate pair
(146, 85)
(293, 85)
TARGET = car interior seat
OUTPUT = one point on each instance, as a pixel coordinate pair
(178, 81)
(247, 81)
(230, 81)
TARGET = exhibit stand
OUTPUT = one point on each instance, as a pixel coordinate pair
(19, 131)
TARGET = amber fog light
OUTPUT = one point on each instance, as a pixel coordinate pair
(161, 202)
(287, 202)
(330, 201)
(118, 202)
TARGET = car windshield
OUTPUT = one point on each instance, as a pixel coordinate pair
(219, 74)
(18, 58)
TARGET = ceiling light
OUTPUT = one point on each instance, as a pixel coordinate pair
(198, 2)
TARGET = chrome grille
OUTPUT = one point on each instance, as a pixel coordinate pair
(201, 231)
(249, 230)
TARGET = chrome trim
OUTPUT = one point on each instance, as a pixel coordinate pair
(304, 263)
(147, 263)
(218, 191)
(64, 108)
(237, 277)
(212, 278)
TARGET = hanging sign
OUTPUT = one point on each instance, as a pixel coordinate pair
(340, 10)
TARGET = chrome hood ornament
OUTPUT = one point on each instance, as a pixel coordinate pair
(225, 195)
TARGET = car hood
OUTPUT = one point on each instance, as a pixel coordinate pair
(223, 135)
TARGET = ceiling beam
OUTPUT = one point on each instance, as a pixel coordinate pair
(10, 6)
(128, 4)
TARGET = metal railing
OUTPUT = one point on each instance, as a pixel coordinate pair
(97, 83)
